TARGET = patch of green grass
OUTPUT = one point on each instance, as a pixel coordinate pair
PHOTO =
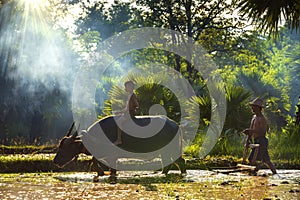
(26, 157)
(27, 149)
(21, 163)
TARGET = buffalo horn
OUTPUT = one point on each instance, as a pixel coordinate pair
(70, 130)
(76, 133)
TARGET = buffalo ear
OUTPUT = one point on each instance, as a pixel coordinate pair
(78, 139)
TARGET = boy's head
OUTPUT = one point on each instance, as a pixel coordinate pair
(129, 85)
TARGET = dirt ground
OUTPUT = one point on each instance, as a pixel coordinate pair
(197, 184)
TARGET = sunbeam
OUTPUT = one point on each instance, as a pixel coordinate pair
(35, 51)
(35, 15)
(37, 66)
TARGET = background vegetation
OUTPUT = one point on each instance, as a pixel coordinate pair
(252, 63)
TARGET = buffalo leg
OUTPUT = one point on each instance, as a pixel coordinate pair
(96, 167)
(166, 169)
(173, 155)
(164, 160)
(180, 163)
(112, 162)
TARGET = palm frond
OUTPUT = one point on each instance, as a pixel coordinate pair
(269, 14)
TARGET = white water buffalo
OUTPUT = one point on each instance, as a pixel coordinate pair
(166, 143)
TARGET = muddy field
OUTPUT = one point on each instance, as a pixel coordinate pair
(197, 184)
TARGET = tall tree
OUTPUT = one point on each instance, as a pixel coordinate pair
(107, 19)
(210, 23)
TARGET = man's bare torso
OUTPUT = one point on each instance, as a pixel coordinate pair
(259, 126)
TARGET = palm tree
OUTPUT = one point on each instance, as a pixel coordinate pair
(268, 14)
(150, 91)
(238, 112)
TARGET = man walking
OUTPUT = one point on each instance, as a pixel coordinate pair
(258, 130)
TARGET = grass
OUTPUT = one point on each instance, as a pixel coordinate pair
(27, 149)
(23, 163)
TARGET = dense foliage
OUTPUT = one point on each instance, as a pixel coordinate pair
(36, 76)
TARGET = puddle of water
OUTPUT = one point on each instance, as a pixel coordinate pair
(197, 176)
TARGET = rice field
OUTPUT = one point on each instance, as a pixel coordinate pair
(196, 184)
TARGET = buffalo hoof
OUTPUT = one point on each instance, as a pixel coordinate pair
(100, 173)
(183, 174)
(112, 179)
(165, 171)
(96, 179)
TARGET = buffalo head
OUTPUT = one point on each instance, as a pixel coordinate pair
(69, 147)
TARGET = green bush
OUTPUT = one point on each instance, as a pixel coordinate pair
(285, 144)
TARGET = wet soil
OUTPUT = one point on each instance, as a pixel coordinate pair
(196, 184)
